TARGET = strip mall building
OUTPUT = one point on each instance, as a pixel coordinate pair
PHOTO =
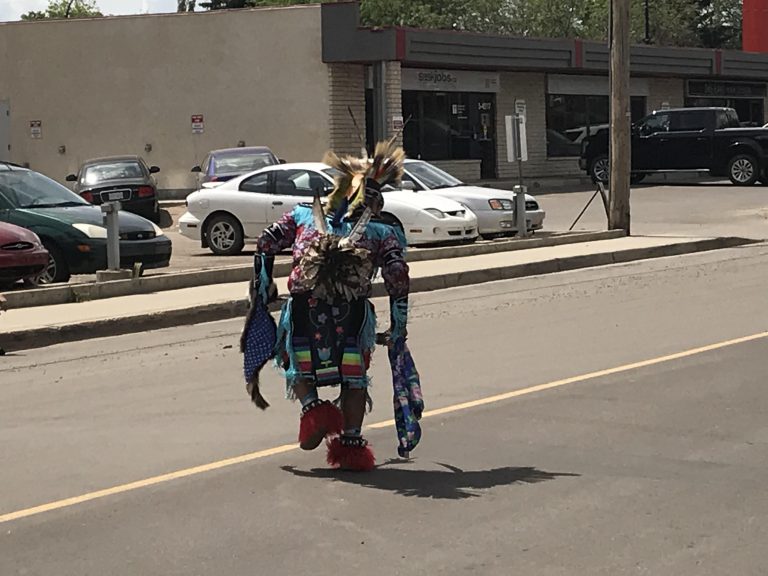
(307, 78)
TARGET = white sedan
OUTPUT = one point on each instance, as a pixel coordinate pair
(494, 208)
(224, 217)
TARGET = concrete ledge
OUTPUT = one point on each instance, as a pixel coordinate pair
(40, 337)
(242, 273)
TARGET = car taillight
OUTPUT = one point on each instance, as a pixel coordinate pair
(146, 191)
(87, 196)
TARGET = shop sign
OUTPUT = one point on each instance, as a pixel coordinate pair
(449, 80)
(711, 89)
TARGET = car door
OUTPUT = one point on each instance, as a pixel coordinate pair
(688, 144)
(253, 203)
(294, 186)
(647, 137)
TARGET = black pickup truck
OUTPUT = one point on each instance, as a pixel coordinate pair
(687, 139)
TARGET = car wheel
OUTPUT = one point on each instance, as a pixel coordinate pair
(225, 235)
(743, 170)
(600, 169)
(57, 269)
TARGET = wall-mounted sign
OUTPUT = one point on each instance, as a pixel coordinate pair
(198, 124)
(449, 80)
(711, 89)
(397, 123)
(520, 108)
(35, 129)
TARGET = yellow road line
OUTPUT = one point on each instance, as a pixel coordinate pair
(185, 473)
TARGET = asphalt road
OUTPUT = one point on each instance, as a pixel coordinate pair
(615, 468)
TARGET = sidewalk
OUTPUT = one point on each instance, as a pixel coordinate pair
(45, 325)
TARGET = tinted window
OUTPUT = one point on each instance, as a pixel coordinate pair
(300, 183)
(689, 121)
(654, 124)
(572, 118)
(26, 189)
(119, 170)
(258, 183)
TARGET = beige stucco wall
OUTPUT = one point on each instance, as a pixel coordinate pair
(113, 85)
(5, 153)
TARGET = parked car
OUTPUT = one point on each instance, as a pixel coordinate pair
(223, 218)
(495, 209)
(227, 163)
(71, 229)
(124, 178)
(22, 256)
(687, 139)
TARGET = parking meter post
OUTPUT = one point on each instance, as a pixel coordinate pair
(520, 214)
(518, 148)
(111, 210)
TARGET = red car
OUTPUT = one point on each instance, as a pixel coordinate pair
(22, 256)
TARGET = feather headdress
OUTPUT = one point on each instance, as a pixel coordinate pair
(385, 167)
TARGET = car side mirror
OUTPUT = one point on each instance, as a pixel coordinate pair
(282, 161)
(154, 169)
(196, 169)
(71, 178)
(407, 185)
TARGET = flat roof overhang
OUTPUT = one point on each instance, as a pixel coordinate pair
(344, 40)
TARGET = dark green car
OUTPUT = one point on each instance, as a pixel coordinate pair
(72, 230)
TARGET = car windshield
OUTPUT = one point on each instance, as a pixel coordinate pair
(27, 189)
(118, 170)
(431, 176)
(239, 163)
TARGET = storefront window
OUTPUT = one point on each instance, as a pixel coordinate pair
(748, 99)
(573, 117)
(451, 126)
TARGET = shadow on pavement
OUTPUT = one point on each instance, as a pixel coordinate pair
(452, 483)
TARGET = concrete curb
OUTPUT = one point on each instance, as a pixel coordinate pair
(242, 273)
(47, 336)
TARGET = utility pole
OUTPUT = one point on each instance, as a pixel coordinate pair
(647, 39)
(620, 117)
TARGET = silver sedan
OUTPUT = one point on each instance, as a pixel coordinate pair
(494, 208)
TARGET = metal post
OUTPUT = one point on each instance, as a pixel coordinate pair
(379, 101)
(518, 150)
(521, 222)
(111, 215)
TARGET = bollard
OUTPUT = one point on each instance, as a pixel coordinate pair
(111, 211)
(520, 214)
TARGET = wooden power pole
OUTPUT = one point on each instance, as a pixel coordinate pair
(620, 117)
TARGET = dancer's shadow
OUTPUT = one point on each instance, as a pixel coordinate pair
(452, 483)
